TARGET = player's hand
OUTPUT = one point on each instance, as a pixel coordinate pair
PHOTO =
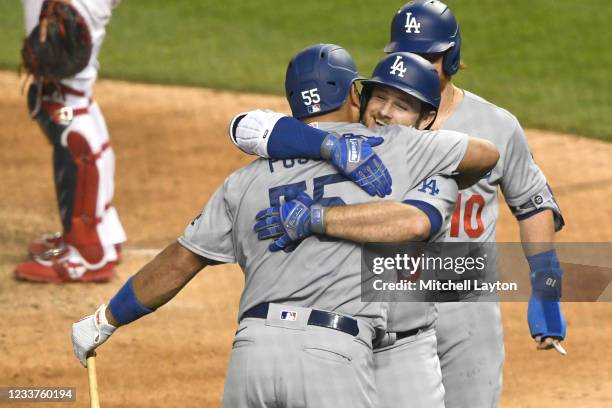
(289, 223)
(550, 343)
(354, 157)
(546, 323)
(89, 333)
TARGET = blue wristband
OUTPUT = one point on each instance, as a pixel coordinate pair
(291, 139)
(125, 306)
(546, 275)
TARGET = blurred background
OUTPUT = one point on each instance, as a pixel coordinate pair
(547, 61)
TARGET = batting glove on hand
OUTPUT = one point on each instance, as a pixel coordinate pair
(354, 157)
(290, 223)
(89, 333)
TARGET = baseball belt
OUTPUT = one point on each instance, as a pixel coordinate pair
(404, 334)
(319, 318)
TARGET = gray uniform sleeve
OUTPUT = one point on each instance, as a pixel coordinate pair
(439, 193)
(210, 233)
(433, 152)
(522, 177)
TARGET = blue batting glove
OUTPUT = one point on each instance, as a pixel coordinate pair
(289, 224)
(545, 319)
(268, 225)
(354, 157)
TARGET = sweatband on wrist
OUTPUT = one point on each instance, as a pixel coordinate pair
(317, 219)
(291, 139)
(125, 306)
(546, 275)
(331, 139)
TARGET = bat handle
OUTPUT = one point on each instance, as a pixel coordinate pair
(94, 401)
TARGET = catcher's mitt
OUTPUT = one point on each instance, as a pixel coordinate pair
(60, 45)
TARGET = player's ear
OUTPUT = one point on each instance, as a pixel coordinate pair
(426, 120)
(353, 103)
(354, 96)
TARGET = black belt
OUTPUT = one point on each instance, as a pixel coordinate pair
(404, 334)
(320, 318)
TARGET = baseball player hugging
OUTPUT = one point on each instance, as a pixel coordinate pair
(404, 90)
(300, 315)
(469, 335)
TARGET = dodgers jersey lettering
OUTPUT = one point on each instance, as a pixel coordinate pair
(517, 174)
(320, 273)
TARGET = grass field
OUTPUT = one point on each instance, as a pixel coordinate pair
(544, 60)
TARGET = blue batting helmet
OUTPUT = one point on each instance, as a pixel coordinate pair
(408, 73)
(319, 79)
(427, 27)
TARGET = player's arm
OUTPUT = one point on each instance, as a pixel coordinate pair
(480, 158)
(153, 286)
(385, 221)
(544, 315)
(156, 283)
(446, 152)
(533, 204)
(274, 135)
(419, 217)
(207, 240)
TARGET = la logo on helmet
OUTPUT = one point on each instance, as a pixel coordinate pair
(412, 24)
(398, 68)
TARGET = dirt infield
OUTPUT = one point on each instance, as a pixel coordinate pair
(172, 152)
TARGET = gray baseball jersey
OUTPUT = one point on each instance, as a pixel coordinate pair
(319, 273)
(516, 172)
(470, 335)
(441, 192)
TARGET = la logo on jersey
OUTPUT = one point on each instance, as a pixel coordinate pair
(429, 186)
(397, 68)
(288, 315)
(412, 24)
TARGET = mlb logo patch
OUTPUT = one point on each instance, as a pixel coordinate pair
(314, 108)
(288, 315)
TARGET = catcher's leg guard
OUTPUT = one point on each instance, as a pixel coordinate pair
(83, 172)
(83, 232)
(110, 229)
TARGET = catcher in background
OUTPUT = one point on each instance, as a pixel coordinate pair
(61, 52)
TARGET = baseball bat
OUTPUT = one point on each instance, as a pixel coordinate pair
(94, 401)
